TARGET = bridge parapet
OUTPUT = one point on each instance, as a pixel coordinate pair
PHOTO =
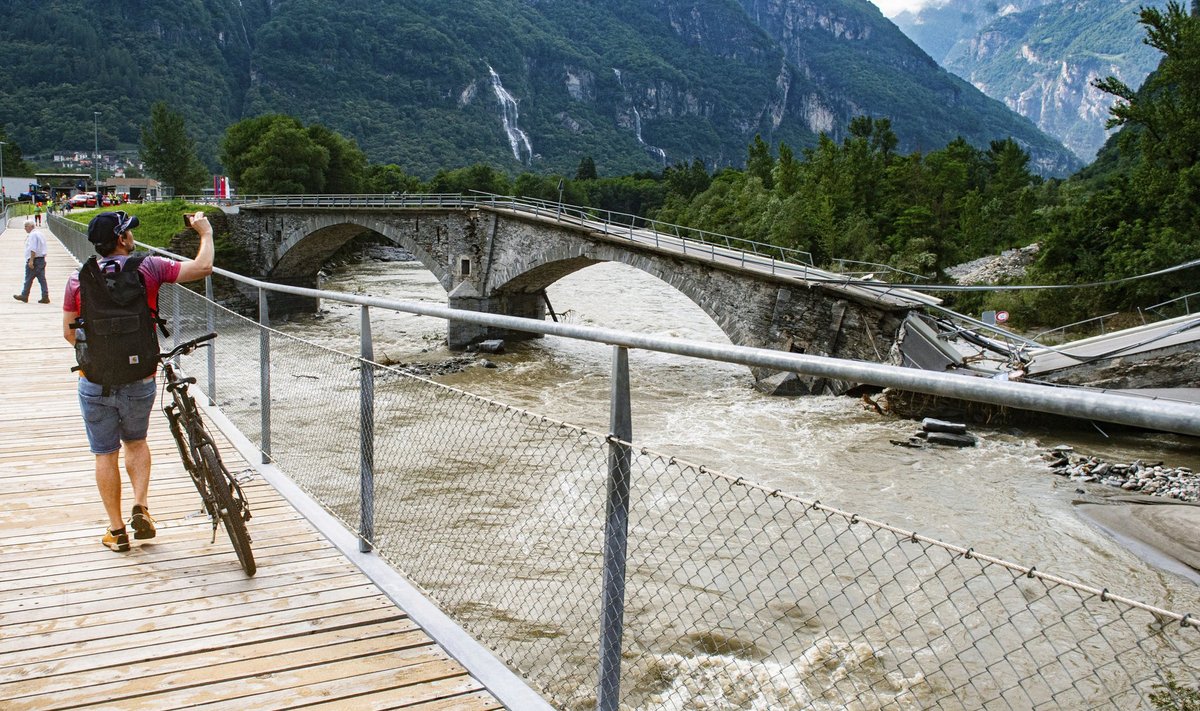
(497, 257)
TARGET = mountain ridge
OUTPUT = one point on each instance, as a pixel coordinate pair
(1041, 57)
(636, 84)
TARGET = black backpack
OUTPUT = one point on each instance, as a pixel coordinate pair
(119, 343)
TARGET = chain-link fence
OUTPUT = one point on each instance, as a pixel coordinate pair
(735, 596)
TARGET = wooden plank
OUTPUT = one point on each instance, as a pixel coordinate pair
(395, 692)
(180, 669)
(175, 617)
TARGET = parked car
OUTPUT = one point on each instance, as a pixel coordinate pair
(83, 200)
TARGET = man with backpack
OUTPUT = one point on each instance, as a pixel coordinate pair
(110, 312)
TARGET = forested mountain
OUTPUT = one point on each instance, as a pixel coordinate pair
(1041, 57)
(429, 84)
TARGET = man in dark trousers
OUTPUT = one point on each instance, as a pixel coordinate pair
(35, 263)
(120, 414)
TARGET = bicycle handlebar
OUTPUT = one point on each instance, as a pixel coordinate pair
(186, 348)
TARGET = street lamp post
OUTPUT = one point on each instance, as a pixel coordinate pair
(3, 194)
(96, 151)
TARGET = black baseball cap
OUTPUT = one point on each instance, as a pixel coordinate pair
(108, 226)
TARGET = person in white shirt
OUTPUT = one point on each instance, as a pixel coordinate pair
(35, 263)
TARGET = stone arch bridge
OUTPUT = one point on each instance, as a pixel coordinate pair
(499, 257)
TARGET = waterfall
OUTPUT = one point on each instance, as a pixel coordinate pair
(637, 123)
(518, 140)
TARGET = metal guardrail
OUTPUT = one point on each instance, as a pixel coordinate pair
(612, 575)
(1063, 329)
(1187, 308)
(874, 268)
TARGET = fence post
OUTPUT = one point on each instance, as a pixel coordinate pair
(264, 372)
(176, 318)
(616, 530)
(212, 346)
(366, 429)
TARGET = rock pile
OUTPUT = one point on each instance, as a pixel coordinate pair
(1009, 265)
(1145, 477)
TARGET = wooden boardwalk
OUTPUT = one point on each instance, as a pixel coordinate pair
(174, 622)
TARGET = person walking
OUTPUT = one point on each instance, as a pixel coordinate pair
(35, 263)
(117, 417)
(37, 214)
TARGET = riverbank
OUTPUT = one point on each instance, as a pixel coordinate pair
(1155, 515)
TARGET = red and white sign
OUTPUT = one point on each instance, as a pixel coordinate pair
(1001, 316)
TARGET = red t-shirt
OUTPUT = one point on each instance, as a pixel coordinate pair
(155, 272)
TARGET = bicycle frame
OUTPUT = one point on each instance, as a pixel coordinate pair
(222, 495)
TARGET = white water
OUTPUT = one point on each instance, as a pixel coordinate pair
(510, 114)
(998, 498)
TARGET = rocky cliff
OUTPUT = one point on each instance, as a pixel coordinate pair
(1041, 57)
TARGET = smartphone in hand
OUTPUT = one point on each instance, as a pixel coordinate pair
(187, 220)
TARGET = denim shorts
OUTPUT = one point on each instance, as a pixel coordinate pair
(124, 415)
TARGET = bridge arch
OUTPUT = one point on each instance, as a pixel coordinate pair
(533, 273)
(500, 258)
(304, 246)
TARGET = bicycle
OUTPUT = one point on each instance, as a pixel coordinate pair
(224, 500)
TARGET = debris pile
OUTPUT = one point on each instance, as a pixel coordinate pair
(1145, 477)
(941, 432)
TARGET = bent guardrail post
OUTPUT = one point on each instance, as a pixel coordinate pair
(264, 374)
(210, 318)
(616, 533)
(366, 434)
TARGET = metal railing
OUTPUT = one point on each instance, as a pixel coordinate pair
(1187, 307)
(689, 240)
(617, 576)
(1063, 329)
(873, 268)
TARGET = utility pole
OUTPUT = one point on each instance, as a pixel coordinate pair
(96, 152)
(3, 194)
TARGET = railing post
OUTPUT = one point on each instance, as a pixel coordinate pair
(210, 317)
(264, 372)
(616, 530)
(176, 319)
(366, 437)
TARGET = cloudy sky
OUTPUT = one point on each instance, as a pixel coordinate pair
(892, 8)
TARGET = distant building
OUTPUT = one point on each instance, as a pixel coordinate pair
(64, 184)
(135, 188)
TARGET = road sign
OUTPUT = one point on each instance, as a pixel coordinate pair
(1001, 316)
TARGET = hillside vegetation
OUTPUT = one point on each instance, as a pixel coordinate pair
(635, 84)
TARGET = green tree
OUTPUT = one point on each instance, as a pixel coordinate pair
(478, 177)
(787, 171)
(241, 138)
(587, 169)
(14, 163)
(390, 178)
(170, 153)
(258, 157)
(759, 163)
(285, 161)
(346, 171)
(687, 181)
(1167, 107)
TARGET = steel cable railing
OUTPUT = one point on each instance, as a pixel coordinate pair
(733, 595)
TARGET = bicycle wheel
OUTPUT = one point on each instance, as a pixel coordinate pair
(229, 509)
